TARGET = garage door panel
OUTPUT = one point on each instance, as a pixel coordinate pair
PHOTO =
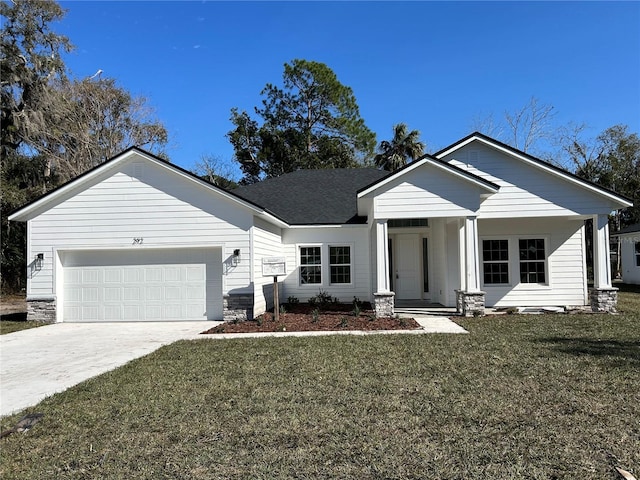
(165, 287)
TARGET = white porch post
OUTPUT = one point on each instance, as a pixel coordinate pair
(469, 299)
(382, 256)
(601, 253)
(604, 297)
(383, 297)
(472, 283)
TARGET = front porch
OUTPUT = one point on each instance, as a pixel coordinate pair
(462, 265)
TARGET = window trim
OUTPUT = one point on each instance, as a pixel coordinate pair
(514, 262)
(299, 261)
(506, 238)
(325, 266)
(350, 264)
(636, 252)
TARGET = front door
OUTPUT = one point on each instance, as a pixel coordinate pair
(408, 266)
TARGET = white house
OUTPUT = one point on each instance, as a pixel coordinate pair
(630, 253)
(478, 223)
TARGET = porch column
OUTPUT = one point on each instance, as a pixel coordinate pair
(604, 296)
(470, 299)
(382, 256)
(472, 268)
(383, 297)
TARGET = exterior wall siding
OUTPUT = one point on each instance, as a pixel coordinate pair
(356, 237)
(267, 242)
(154, 205)
(427, 192)
(630, 269)
(565, 270)
(525, 191)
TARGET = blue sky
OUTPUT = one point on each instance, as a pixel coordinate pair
(433, 65)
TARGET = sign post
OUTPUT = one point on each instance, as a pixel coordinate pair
(272, 267)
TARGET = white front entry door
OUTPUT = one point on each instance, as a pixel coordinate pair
(407, 267)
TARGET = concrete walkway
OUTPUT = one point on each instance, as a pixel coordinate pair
(41, 361)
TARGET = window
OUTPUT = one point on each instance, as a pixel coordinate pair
(637, 254)
(495, 261)
(408, 222)
(532, 260)
(340, 264)
(310, 265)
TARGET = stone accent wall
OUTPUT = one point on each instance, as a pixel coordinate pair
(237, 307)
(604, 300)
(469, 303)
(41, 310)
(383, 304)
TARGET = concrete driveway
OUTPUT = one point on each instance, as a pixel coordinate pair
(41, 361)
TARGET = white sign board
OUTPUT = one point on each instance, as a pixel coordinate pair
(273, 266)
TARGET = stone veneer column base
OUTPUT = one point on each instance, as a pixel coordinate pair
(237, 307)
(603, 300)
(469, 304)
(383, 304)
(41, 310)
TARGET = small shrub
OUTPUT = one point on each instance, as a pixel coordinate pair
(356, 310)
(403, 322)
(477, 313)
(322, 299)
(282, 310)
(282, 328)
(259, 320)
(344, 322)
(292, 300)
(512, 310)
(356, 301)
(315, 315)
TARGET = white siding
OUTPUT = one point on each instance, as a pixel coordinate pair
(630, 269)
(525, 191)
(161, 208)
(356, 237)
(566, 274)
(267, 242)
(427, 192)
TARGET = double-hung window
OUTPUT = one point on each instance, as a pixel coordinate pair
(532, 260)
(310, 265)
(495, 261)
(340, 264)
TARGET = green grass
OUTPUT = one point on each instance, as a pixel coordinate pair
(539, 397)
(10, 326)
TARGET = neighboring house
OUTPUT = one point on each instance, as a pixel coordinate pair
(629, 239)
(477, 224)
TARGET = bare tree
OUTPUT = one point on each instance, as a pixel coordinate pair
(523, 129)
(216, 171)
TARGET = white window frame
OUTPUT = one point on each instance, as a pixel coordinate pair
(514, 262)
(506, 238)
(350, 264)
(325, 266)
(300, 265)
(636, 253)
(547, 274)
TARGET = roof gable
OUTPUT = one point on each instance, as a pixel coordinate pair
(104, 170)
(485, 185)
(546, 167)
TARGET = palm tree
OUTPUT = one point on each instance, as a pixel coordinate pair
(394, 154)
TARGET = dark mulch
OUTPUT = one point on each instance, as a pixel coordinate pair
(329, 317)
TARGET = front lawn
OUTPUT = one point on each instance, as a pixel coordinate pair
(538, 396)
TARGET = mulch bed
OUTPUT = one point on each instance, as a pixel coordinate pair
(301, 318)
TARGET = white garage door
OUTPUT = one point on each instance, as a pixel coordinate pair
(154, 285)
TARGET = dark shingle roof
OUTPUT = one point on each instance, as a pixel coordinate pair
(313, 197)
(630, 229)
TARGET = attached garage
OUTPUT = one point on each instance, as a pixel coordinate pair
(141, 285)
